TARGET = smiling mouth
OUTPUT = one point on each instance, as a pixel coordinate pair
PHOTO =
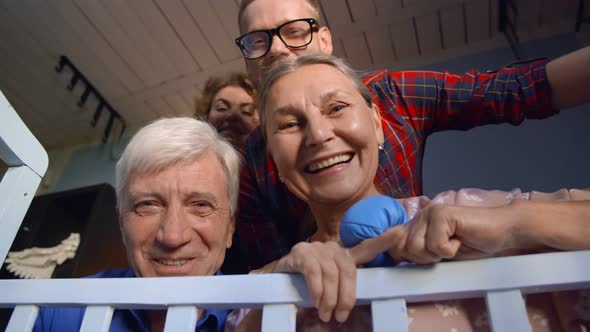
(172, 262)
(322, 165)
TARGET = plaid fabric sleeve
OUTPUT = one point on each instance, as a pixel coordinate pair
(435, 101)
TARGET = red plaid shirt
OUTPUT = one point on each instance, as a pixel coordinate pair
(413, 105)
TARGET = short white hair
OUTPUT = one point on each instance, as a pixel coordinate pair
(167, 141)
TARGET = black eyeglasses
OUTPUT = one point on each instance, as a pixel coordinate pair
(294, 34)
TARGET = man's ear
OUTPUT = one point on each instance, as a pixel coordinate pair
(119, 218)
(230, 232)
(325, 38)
(378, 125)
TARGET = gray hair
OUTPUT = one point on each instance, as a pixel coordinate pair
(292, 65)
(167, 141)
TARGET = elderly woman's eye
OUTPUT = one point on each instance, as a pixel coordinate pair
(337, 107)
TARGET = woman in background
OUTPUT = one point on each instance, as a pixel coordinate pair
(227, 102)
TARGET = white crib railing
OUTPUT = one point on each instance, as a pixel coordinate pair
(502, 281)
(27, 162)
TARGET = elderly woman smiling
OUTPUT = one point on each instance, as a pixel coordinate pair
(325, 136)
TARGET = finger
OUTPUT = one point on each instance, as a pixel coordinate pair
(397, 250)
(415, 249)
(313, 277)
(423, 257)
(451, 248)
(440, 238)
(329, 296)
(302, 260)
(347, 287)
(392, 239)
(292, 262)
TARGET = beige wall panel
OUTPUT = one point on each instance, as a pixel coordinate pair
(213, 30)
(357, 51)
(477, 15)
(178, 104)
(144, 46)
(381, 45)
(404, 40)
(428, 33)
(452, 24)
(189, 32)
(108, 26)
(161, 31)
(227, 11)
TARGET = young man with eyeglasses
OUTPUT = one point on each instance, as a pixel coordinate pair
(413, 105)
(281, 17)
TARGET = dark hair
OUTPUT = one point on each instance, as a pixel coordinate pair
(216, 83)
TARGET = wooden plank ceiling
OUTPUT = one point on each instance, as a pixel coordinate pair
(149, 58)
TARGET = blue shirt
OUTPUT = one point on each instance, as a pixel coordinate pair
(70, 319)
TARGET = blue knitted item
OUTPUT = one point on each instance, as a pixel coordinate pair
(369, 218)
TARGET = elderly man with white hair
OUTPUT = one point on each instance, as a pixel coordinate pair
(177, 187)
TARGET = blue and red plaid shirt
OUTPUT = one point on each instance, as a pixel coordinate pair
(413, 105)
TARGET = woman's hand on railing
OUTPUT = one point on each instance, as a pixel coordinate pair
(330, 273)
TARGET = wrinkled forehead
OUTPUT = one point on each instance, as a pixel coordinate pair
(307, 82)
(206, 172)
(268, 14)
(233, 93)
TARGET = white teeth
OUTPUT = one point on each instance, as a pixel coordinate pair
(329, 162)
(173, 261)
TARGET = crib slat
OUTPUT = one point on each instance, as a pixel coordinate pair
(97, 318)
(23, 318)
(507, 311)
(19, 146)
(389, 315)
(279, 317)
(27, 162)
(181, 318)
